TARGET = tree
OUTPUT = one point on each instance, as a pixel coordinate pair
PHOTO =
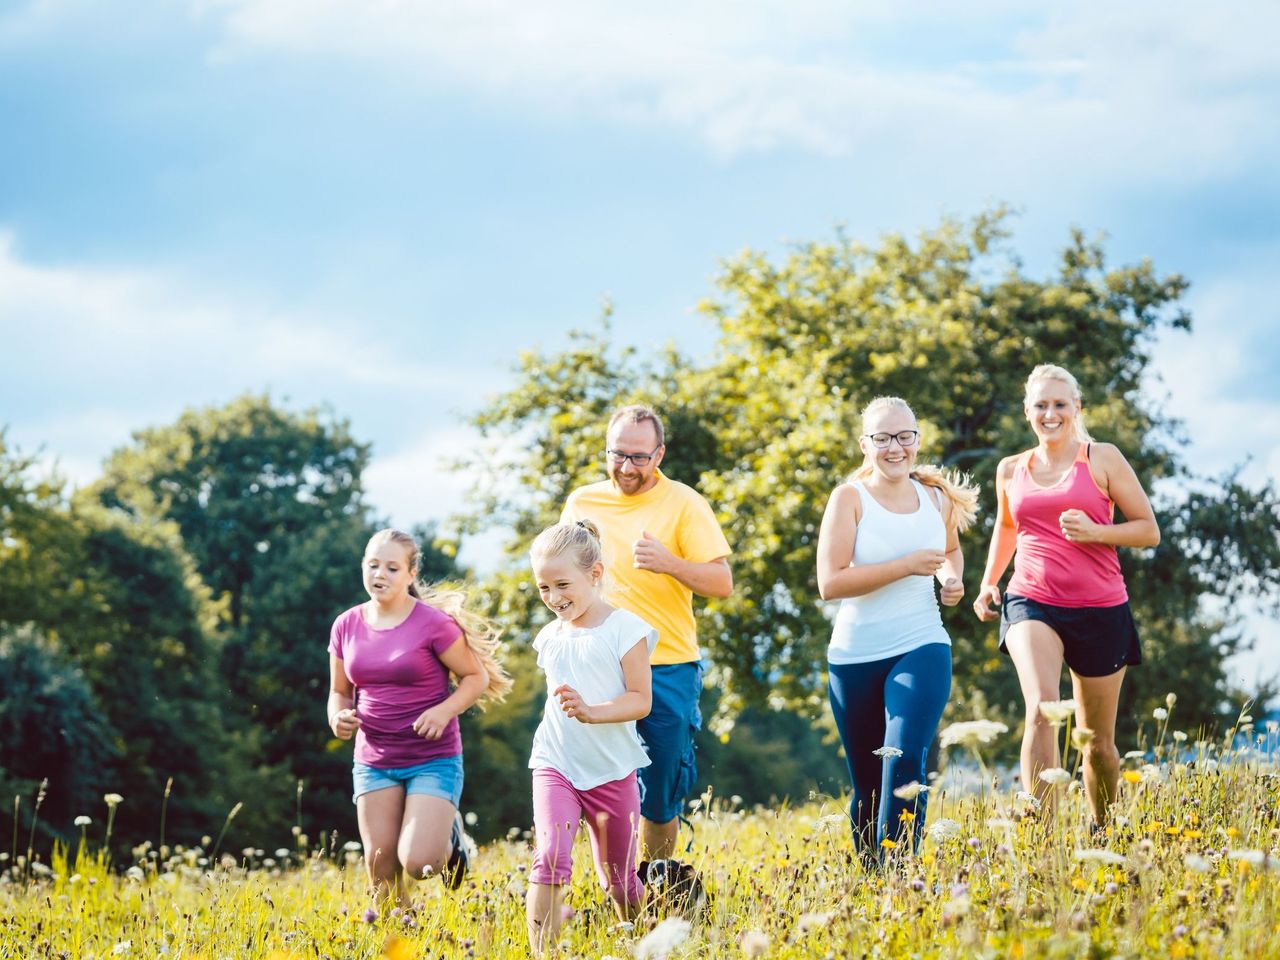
(765, 428)
(269, 503)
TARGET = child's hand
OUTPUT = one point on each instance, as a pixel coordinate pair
(431, 724)
(572, 704)
(345, 724)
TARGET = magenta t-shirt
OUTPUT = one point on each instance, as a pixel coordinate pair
(397, 674)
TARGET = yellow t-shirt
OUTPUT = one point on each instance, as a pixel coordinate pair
(678, 516)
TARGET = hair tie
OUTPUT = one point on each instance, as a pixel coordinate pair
(579, 523)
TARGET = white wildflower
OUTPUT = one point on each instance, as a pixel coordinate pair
(807, 922)
(1081, 737)
(663, 939)
(1197, 863)
(1056, 776)
(1109, 857)
(1001, 823)
(123, 946)
(1179, 736)
(830, 821)
(971, 733)
(1057, 712)
(887, 752)
(111, 800)
(1026, 801)
(1255, 858)
(352, 846)
(1170, 699)
(135, 873)
(754, 943)
(1160, 713)
(942, 830)
(83, 821)
(1135, 755)
(909, 791)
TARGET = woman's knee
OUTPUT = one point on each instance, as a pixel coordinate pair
(1102, 752)
(424, 861)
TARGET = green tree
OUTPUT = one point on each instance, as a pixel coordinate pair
(269, 503)
(765, 427)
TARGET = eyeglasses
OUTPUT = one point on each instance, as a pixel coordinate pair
(905, 438)
(639, 459)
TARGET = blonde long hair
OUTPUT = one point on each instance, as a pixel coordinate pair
(957, 487)
(480, 633)
(1051, 371)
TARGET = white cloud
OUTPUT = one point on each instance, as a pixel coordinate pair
(1178, 84)
(93, 354)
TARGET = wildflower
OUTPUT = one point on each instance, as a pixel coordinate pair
(1170, 699)
(1246, 719)
(1197, 863)
(909, 791)
(943, 829)
(1132, 776)
(1081, 737)
(370, 915)
(135, 874)
(1057, 712)
(1111, 888)
(889, 752)
(1255, 858)
(1109, 857)
(1135, 754)
(112, 800)
(1179, 736)
(83, 821)
(972, 733)
(811, 921)
(663, 939)
(1273, 726)
(352, 846)
(1160, 713)
(754, 943)
(1026, 802)
(1055, 776)
(282, 853)
(123, 946)
(888, 844)
(830, 820)
(917, 885)
(1001, 823)
(471, 819)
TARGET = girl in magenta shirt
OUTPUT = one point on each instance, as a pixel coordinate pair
(1067, 599)
(390, 664)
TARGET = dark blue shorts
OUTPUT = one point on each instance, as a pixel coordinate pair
(668, 733)
(1096, 641)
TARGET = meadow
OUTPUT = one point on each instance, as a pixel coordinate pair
(1189, 867)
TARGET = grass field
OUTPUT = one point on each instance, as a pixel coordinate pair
(1189, 868)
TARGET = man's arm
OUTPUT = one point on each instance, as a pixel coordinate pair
(710, 579)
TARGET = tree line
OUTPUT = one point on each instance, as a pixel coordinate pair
(163, 630)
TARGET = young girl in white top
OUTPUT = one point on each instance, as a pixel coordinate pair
(586, 751)
(887, 533)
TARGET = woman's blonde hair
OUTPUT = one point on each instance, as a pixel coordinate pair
(956, 487)
(580, 539)
(480, 633)
(1051, 371)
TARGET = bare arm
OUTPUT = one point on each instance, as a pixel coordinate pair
(634, 704)
(341, 706)
(951, 574)
(836, 537)
(459, 659)
(710, 579)
(1117, 478)
(1004, 541)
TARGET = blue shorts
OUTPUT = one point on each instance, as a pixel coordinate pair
(668, 733)
(441, 777)
(1096, 641)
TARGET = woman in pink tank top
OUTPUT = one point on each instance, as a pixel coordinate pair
(1067, 599)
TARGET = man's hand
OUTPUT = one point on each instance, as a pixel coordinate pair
(649, 553)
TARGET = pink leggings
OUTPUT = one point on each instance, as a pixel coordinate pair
(612, 814)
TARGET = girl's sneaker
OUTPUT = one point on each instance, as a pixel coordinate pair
(462, 851)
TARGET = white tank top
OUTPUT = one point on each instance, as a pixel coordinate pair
(902, 615)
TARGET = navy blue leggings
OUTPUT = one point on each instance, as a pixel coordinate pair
(896, 702)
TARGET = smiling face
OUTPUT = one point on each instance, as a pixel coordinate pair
(387, 571)
(634, 438)
(895, 461)
(1052, 409)
(568, 591)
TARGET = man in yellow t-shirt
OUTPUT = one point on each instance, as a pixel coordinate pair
(662, 545)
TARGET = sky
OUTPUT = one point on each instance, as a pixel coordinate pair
(376, 205)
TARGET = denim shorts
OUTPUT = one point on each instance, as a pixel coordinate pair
(441, 777)
(668, 733)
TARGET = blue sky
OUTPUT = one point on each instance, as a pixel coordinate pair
(376, 205)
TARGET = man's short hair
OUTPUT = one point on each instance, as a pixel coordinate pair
(637, 413)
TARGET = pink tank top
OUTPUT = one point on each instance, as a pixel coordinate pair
(1049, 568)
